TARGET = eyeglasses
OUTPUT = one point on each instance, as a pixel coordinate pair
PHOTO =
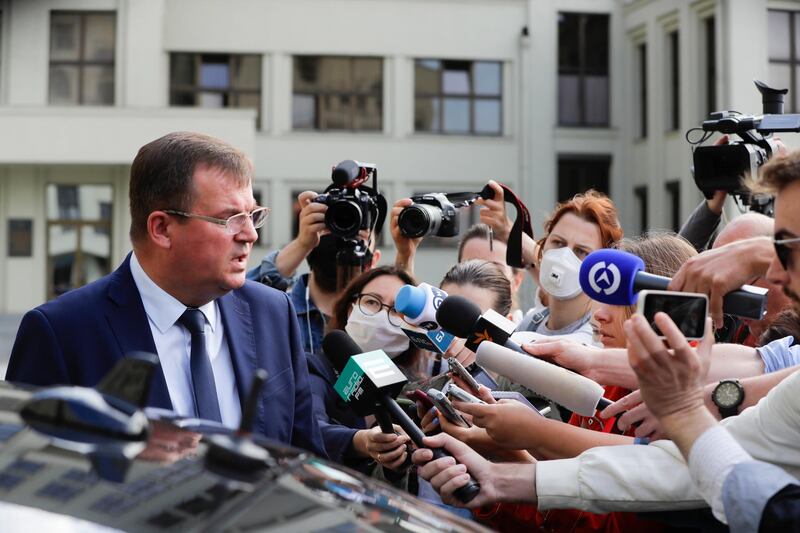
(784, 251)
(233, 224)
(370, 305)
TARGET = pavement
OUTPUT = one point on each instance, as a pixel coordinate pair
(8, 331)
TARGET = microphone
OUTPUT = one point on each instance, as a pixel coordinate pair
(462, 318)
(418, 306)
(615, 277)
(565, 387)
(369, 383)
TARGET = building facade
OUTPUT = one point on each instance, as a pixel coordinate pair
(548, 96)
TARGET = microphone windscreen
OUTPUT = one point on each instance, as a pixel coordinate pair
(457, 315)
(565, 387)
(339, 347)
(608, 276)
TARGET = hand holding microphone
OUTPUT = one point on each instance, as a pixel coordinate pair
(615, 277)
(369, 382)
(488, 336)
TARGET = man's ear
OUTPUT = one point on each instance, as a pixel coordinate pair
(517, 278)
(159, 226)
(376, 258)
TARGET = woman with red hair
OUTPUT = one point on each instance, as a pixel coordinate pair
(577, 227)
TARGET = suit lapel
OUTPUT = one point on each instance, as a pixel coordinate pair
(128, 321)
(240, 335)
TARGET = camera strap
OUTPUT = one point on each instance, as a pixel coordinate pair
(522, 224)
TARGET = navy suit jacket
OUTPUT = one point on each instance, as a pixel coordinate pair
(78, 337)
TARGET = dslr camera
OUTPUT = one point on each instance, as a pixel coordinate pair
(352, 206)
(721, 168)
(430, 214)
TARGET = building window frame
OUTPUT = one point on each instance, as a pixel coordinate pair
(583, 70)
(640, 193)
(793, 61)
(82, 63)
(674, 77)
(352, 94)
(709, 28)
(231, 93)
(472, 97)
(641, 80)
(673, 190)
(588, 178)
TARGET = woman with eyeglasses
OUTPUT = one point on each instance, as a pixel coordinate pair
(365, 310)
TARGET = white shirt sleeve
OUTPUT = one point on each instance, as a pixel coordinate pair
(655, 477)
(712, 457)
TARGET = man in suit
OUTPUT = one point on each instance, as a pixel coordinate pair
(182, 294)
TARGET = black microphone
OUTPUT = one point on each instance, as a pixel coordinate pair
(462, 318)
(369, 382)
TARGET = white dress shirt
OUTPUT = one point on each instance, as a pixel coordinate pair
(174, 346)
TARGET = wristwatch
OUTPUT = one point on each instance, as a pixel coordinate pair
(728, 395)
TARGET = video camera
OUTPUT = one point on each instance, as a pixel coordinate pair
(721, 168)
(434, 214)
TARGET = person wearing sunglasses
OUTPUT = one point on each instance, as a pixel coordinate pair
(182, 294)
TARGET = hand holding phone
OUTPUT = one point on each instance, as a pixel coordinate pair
(687, 310)
(446, 408)
(458, 369)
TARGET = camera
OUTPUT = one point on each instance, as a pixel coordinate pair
(430, 214)
(721, 168)
(352, 206)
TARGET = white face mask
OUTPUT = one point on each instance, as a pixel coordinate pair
(376, 332)
(558, 274)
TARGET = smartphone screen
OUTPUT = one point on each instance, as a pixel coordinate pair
(688, 311)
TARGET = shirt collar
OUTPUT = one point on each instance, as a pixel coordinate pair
(162, 308)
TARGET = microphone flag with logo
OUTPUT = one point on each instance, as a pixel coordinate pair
(608, 276)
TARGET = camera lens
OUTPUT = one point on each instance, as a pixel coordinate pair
(343, 218)
(418, 220)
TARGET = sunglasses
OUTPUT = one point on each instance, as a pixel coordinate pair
(784, 251)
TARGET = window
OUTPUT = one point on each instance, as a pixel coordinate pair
(216, 80)
(577, 174)
(78, 235)
(674, 76)
(583, 70)
(458, 97)
(338, 93)
(82, 58)
(641, 197)
(710, 66)
(641, 53)
(674, 204)
(784, 55)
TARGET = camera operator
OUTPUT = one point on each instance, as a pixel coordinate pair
(654, 477)
(312, 294)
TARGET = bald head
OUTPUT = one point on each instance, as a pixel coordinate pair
(746, 226)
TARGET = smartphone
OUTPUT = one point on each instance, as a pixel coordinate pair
(514, 395)
(446, 408)
(458, 369)
(420, 396)
(688, 311)
(457, 393)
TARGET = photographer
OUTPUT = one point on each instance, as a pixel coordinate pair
(312, 294)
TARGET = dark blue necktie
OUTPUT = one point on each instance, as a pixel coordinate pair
(205, 391)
